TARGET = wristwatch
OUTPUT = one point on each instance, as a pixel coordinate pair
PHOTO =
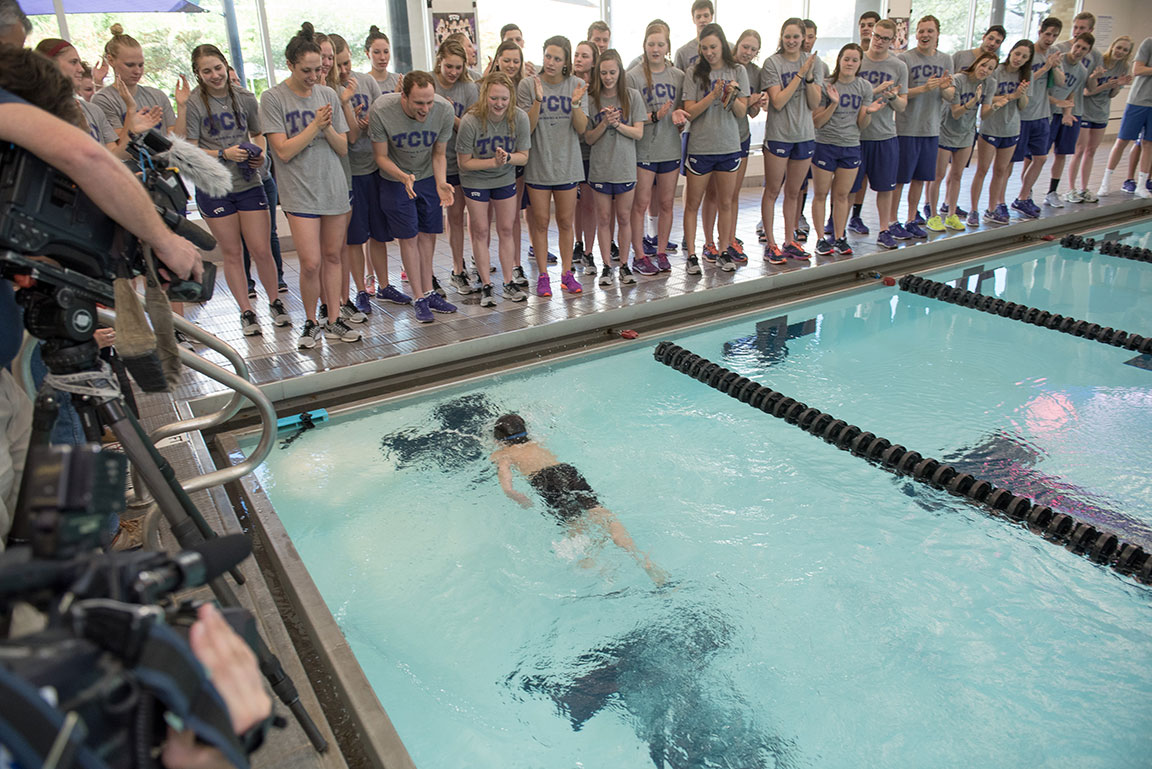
(654, 118)
(220, 154)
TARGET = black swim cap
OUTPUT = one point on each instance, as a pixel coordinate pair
(510, 428)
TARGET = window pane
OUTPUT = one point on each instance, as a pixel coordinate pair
(538, 21)
(349, 20)
(953, 16)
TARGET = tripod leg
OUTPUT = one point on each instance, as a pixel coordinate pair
(188, 526)
(44, 415)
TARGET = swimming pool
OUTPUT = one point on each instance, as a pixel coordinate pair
(821, 612)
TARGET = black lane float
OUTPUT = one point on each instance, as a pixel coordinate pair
(992, 305)
(1107, 248)
(1082, 538)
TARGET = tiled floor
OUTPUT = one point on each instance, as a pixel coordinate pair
(392, 330)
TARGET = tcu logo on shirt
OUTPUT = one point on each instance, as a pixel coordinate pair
(875, 76)
(1070, 81)
(459, 109)
(853, 100)
(361, 100)
(925, 71)
(1005, 86)
(562, 104)
(225, 121)
(415, 139)
(488, 145)
(786, 78)
(297, 120)
(661, 92)
(967, 97)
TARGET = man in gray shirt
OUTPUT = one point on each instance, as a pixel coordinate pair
(1137, 122)
(686, 55)
(991, 43)
(1036, 116)
(918, 126)
(410, 131)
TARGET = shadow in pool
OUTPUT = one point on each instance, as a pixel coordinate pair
(664, 678)
(458, 435)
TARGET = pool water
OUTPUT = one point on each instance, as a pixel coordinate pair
(820, 611)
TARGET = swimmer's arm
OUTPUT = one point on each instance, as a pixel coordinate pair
(504, 473)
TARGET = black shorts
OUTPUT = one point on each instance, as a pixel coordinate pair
(564, 490)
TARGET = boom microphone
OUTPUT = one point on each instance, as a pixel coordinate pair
(201, 169)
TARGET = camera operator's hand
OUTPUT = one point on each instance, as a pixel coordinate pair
(232, 667)
(179, 256)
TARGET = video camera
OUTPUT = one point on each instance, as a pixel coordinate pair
(44, 213)
(112, 669)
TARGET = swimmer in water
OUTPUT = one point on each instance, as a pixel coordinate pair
(563, 489)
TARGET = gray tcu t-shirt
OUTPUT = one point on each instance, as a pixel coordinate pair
(686, 55)
(361, 159)
(876, 73)
(1141, 93)
(755, 76)
(959, 132)
(461, 96)
(715, 131)
(410, 142)
(841, 129)
(1074, 77)
(1098, 106)
(1090, 60)
(614, 154)
(482, 143)
(99, 127)
(221, 128)
(313, 181)
(922, 116)
(793, 123)
(555, 156)
(1006, 120)
(388, 84)
(1038, 107)
(146, 97)
(661, 142)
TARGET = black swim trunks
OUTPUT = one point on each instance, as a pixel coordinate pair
(564, 490)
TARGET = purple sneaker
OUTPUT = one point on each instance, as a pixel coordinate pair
(915, 230)
(671, 248)
(662, 263)
(543, 286)
(792, 250)
(569, 283)
(1024, 208)
(885, 240)
(1129, 186)
(927, 213)
(363, 304)
(423, 314)
(390, 293)
(1035, 209)
(856, 224)
(437, 303)
(897, 231)
(649, 247)
(643, 265)
(828, 228)
(919, 220)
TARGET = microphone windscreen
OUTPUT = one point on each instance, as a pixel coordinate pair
(204, 171)
(222, 553)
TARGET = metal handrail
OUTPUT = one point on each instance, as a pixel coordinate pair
(242, 387)
(229, 409)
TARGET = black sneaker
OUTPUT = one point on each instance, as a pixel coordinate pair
(282, 287)
(606, 276)
(322, 316)
(486, 298)
(279, 315)
(461, 283)
(518, 276)
(251, 289)
(342, 331)
(842, 248)
(248, 323)
(438, 288)
(626, 275)
(589, 263)
(513, 293)
(823, 247)
(577, 250)
(800, 236)
(308, 336)
(614, 250)
(692, 264)
(724, 261)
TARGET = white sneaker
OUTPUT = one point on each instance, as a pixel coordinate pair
(1142, 191)
(1088, 196)
(1053, 200)
(1073, 196)
(1102, 192)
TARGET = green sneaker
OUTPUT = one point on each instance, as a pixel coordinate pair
(935, 224)
(953, 222)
